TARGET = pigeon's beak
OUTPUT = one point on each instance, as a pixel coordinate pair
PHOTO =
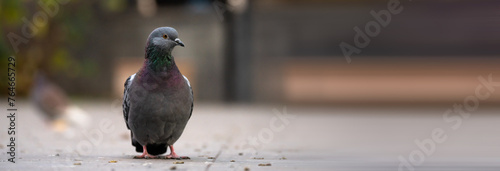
(179, 42)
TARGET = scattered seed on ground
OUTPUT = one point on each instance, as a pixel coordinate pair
(265, 164)
(179, 162)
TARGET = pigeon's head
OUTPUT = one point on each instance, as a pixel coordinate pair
(164, 39)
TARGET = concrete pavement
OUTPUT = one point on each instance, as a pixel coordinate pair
(258, 137)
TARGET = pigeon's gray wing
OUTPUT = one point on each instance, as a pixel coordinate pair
(192, 97)
(126, 100)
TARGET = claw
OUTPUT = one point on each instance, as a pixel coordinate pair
(145, 154)
(173, 155)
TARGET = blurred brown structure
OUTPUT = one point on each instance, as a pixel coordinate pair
(288, 51)
(410, 80)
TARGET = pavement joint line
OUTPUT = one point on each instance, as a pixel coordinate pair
(215, 158)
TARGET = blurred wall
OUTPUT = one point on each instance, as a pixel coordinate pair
(271, 50)
(431, 52)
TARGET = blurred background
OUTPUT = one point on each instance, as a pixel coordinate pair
(249, 62)
(261, 51)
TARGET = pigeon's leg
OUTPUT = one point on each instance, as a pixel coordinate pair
(145, 154)
(172, 152)
(173, 155)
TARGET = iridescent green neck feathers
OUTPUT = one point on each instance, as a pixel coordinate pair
(159, 58)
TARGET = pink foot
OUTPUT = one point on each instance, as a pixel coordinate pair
(173, 155)
(145, 154)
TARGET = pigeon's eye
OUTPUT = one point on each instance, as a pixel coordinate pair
(165, 36)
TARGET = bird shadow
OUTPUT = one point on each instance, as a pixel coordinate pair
(164, 157)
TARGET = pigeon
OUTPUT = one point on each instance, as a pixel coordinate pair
(53, 102)
(158, 99)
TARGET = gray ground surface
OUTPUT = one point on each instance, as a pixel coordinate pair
(314, 139)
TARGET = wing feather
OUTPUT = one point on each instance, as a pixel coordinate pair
(192, 96)
(126, 100)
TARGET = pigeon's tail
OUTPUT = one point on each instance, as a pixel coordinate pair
(156, 149)
(153, 149)
(138, 147)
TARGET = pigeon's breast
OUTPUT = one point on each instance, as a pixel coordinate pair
(159, 115)
(162, 101)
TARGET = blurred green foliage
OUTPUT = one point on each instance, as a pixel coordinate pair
(58, 43)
